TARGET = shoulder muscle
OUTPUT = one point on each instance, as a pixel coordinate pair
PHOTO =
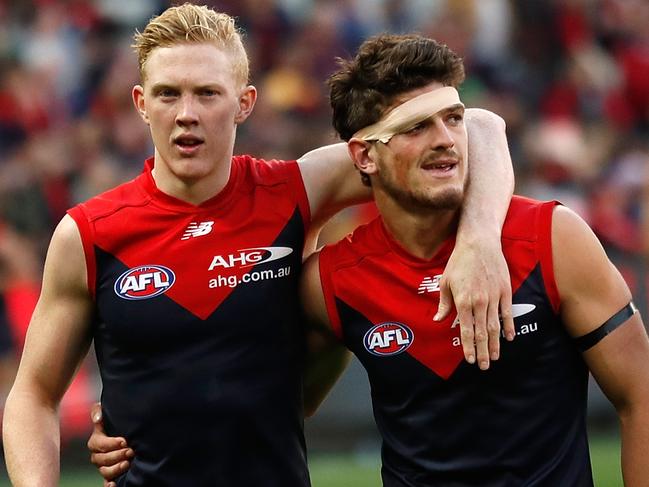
(591, 289)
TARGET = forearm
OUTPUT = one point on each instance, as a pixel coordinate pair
(491, 177)
(332, 182)
(635, 447)
(323, 369)
(31, 441)
(476, 277)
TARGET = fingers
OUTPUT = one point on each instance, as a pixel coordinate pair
(95, 413)
(478, 284)
(445, 300)
(107, 450)
(493, 331)
(467, 337)
(111, 458)
(113, 463)
(111, 455)
(481, 338)
(473, 328)
(480, 325)
(474, 333)
(110, 473)
(507, 316)
(100, 443)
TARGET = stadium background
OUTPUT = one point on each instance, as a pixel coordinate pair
(570, 77)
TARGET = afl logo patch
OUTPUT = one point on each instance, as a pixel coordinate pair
(144, 282)
(388, 338)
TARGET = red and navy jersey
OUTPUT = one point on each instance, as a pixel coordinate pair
(197, 331)
(445, 422)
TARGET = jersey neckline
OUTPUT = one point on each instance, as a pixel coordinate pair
(439, 259)
(167, 201)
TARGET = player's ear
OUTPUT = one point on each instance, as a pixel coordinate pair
(138, 100)
(362, 154)
(247, 100)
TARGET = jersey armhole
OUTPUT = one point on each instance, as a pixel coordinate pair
(87, 239)
(544, 249)
(328, 291)
(300, 192)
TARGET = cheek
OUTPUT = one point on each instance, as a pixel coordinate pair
(400, 172)
(159, 119)
(157, 128)
(462, 144)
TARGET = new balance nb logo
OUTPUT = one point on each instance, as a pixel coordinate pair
(429, 284)
(197, 229)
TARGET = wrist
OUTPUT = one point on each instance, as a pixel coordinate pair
(479, 231)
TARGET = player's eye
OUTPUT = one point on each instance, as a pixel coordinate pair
(416, 129)
(455, 118)
(166, 93)
(208, 92)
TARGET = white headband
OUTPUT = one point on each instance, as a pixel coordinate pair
(405, 116)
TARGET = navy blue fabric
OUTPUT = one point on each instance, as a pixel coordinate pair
(521, 423)
(215, 402)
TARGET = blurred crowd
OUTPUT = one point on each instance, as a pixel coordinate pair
(570, 78)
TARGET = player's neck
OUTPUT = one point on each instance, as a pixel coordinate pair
(421, 234)
(191, 188)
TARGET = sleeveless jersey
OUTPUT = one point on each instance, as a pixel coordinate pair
(445, 422)
(197, 331)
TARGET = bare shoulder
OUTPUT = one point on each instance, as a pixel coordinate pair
(590, 287)
(572, 238)
(67, 232)
(65, 265)
(575, 247)
(565, 219)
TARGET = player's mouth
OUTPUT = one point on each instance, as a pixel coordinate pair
(188, 143)
(442, 167)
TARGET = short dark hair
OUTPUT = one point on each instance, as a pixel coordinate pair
(386, 66)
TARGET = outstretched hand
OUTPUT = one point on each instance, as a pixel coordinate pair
(477, 280)
(111, 455)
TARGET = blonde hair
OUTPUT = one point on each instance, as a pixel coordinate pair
(190, 23)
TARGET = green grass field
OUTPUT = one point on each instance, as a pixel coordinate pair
(347, 472)
(363, 471)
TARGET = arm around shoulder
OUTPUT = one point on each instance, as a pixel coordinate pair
(57, 340)
(331, 182)
(491, 173)
(591, 291)
(476, 278)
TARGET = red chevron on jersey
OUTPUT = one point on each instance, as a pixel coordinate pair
(423, 390)
(197, 325)
(225, 242)
(383, 274)
(373, 274)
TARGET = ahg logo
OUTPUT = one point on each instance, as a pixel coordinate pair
(250, 257)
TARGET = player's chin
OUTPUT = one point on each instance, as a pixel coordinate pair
(448, 198)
